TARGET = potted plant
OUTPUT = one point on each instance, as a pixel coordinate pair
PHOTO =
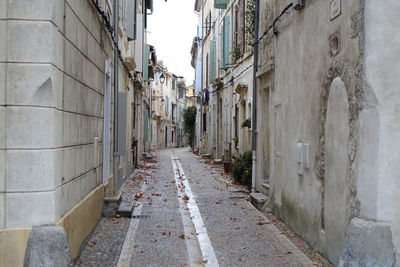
(246, 123)
(218, 83)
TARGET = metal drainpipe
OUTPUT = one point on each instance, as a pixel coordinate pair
(115, 143)
(201, 79)
(254, 119)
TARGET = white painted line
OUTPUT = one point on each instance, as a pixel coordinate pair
(127, 248)
(206, 248)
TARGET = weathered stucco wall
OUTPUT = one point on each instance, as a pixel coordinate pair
(310, 52)
(380, 119)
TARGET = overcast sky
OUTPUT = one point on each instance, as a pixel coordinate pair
(171, 29)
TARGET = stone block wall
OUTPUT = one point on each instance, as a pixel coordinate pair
(51, 108)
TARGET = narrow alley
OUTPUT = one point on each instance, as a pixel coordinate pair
(188, 213)
(199, 133)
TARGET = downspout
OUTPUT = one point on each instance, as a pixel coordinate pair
(254, 119)
(115, 143)
(201, 80)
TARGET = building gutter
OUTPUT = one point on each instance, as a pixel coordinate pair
(115, 141)
(254, 112)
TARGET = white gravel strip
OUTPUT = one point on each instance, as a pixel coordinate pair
(206, 248)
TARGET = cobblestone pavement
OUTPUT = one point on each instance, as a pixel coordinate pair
(188, 213)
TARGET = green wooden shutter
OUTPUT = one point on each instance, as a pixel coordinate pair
(226, 41)
(146, 125)
(146, 62)
(221, 4)
(212, 62)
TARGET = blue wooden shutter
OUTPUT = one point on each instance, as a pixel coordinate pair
(212, 62)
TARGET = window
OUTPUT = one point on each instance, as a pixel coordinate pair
(249, 110)
(166, 105)
(181, 92)
(130, 15)
(157, 76)
(174, 112)
(241, 31)
(236, 121)
(207, 70)
(204, 122)
(226, 34)
(212, 62)
(207, 24)
(173, 83)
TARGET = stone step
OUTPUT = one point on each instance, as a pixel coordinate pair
(217, 161)
(258, 200)
(125, 209)
(111, 204)
(146, 156)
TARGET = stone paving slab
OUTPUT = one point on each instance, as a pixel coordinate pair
(239, 233)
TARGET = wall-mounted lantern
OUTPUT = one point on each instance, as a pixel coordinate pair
(162, 78)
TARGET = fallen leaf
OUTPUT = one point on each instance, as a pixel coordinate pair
(280, 256)
(182, 236)
(91, 243)
(217, 202)
(138, 196)
(203, 261)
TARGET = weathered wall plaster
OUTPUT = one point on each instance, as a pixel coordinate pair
(310, 51)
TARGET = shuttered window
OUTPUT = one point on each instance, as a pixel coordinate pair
(212, 62)
(146, 63)
(130, 19)
(241, 30)
(226, 41)
(235, 26)
(221, 4)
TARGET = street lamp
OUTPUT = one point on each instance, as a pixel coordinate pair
(162, 78)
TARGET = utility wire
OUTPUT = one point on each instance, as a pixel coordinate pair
(109, 28)
(272, 26)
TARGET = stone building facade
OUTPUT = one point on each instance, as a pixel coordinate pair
(56, 114)
(168, 105)
(226, 60)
